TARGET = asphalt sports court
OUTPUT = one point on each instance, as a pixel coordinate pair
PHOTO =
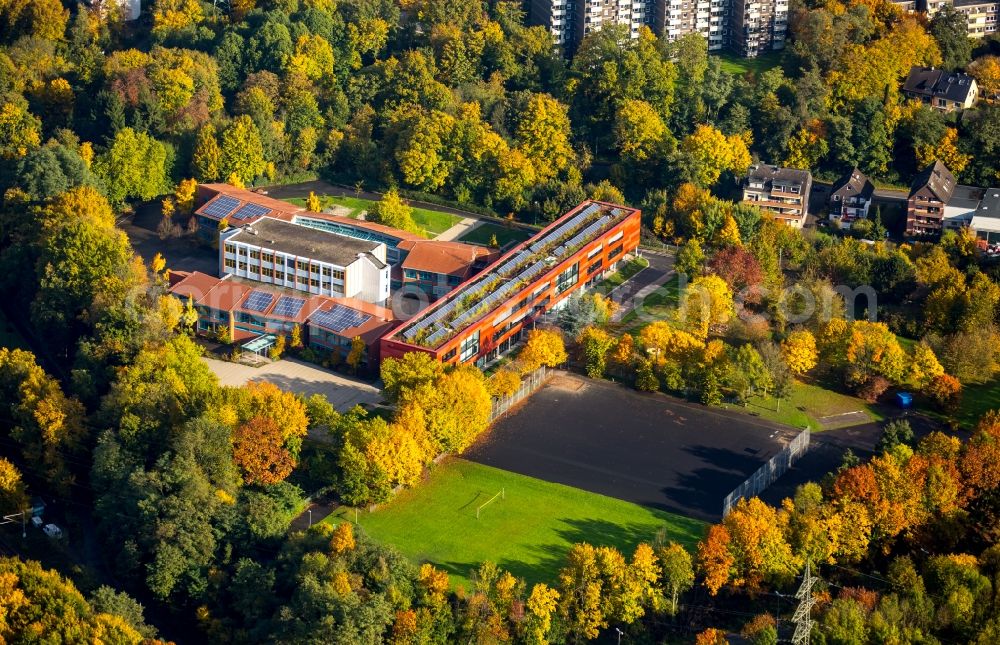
(650, 449)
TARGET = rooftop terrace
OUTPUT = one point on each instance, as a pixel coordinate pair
(503, 279)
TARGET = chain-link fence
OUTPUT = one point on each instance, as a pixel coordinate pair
(769, 472)
(529, 384)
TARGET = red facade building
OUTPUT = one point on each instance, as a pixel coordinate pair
(483, 317)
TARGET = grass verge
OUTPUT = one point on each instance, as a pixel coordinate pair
(505, 235)
(528, 531)
(977, 400)
(433, 222)
(738, 65)
(810, 403)
(627, 272)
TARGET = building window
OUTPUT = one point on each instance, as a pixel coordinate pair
(302, 266)
(230, 248)
(338, 274)
(230, 264)
(279, 275)
(615, 252)
(470, 347)
(267, 257)
(327, 271)
(268, 273)
(301, 279)
(594, 267)
(568, 278)
(410, 273)
(243, 266)
(522, 303)
(255, 255)
(426, 275)
(450, 354)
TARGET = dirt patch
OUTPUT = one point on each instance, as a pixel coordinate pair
(845, 419)
(567, 383)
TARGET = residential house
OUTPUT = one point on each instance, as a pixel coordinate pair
(782, 193)
(985, 222)
(851, 198)
(940, 89)
(930, 192)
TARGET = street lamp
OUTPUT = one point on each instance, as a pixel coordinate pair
(619, 635)
(310, 518)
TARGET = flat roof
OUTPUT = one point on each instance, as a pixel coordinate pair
(967, 197)
(990, 204)
(360, 224)
(529, 260)
(305, 241)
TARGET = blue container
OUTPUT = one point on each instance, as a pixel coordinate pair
(904, 399)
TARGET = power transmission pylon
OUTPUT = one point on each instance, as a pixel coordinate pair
(803, 613)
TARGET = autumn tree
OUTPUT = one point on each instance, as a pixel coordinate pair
(20, 131)
(503, 383)
(595, 343)
(678, 572)
(543, 347)
(539, 610)
(799, 350)
(543, 136)
(706, 153)
(393, 211)
(357, 353)
(581, 606)
(241, 153)
(945, 391)
(313, 204)
(12, 492)
(715, 561)
(707, 303)
(986, 71)
(410, 377)
(206, 162)
(259, 451)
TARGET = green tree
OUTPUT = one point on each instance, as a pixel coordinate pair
(242, 153)
(135, 166)
(392, 211)
(949, 26)
(206, 162)
(678, 572)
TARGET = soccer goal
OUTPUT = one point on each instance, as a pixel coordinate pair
(501, 495)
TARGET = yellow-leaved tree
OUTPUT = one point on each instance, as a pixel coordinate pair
(543, 347)
(799, 351)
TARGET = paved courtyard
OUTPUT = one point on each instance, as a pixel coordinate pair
(302, 378)
(650, 449)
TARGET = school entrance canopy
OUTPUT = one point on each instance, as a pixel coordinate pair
(260, 344)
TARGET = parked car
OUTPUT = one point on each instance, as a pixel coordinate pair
(37, 522)
(53, 531)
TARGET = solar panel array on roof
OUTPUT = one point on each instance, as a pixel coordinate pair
(590, 230)
(564, 228)
(258, 301)
(250, 210)
(221, 207)
(288, 306)
(513, 262)
(438, 335)
(532, 271)
(339, 318)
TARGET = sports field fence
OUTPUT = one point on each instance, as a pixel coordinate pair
(529, 384)
(767, 474)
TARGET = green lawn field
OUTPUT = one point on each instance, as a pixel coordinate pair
(616, 279)
(977, 400)
(809, 403)
(505, 235)
(433, 222)
(527, 532)
(738, 65)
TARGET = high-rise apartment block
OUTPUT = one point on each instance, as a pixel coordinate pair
(748, 27)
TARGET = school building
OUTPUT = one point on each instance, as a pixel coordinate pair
(483, 317)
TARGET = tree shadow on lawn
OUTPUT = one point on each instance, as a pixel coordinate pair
(550, 558)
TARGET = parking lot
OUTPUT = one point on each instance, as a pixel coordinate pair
(650, 449)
